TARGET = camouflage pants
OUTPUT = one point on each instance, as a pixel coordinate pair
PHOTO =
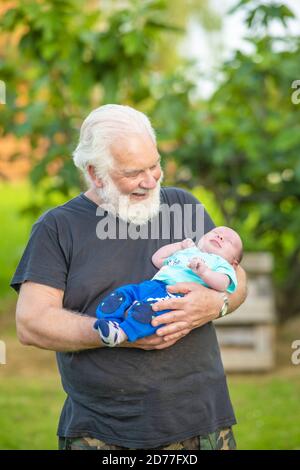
(219, 440)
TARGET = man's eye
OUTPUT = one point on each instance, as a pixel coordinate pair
(133, 174)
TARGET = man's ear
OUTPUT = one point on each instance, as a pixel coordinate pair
(96, 180)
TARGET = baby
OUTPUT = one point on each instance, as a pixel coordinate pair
(212, 263)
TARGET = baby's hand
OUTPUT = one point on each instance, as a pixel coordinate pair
(187, 243)
(197, 265)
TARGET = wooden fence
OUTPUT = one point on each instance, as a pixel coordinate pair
(247, 336)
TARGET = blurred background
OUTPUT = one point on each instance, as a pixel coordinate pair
(221, 84)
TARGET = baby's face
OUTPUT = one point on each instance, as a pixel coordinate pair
(222, 241)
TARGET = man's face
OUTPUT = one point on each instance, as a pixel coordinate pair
(222, 241)
(136, 166)
(132, 186)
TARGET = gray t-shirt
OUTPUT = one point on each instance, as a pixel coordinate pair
(124, 396)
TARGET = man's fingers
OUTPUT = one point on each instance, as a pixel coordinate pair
(166, 344)
(168, 304)
(172, 328)
(176, 336)
(154, 342)
(149, 340)
(169, 317)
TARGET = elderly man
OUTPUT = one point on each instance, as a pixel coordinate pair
(165, 391)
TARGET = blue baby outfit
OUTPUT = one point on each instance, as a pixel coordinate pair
(138, 298)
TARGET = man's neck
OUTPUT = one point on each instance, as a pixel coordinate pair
(93, 196)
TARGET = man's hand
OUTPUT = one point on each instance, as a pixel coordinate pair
(199, 306)
(149, 343)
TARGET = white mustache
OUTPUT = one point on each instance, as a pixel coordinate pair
(138, 212)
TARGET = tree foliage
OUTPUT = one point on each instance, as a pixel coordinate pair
(63, 58)
(244, 146)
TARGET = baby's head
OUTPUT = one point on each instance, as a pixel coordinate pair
(225, 242)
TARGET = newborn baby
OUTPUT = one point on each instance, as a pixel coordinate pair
(212, 263)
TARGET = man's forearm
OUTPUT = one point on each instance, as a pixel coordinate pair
(59, 330)
(239, 296)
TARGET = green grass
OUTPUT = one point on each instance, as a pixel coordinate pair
(267, 410)
(29, 413)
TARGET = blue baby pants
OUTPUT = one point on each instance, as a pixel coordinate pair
(137, 298)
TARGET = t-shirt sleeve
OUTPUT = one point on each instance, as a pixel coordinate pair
(44, 260)
(226, 268)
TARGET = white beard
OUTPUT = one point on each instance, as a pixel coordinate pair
(120, 205)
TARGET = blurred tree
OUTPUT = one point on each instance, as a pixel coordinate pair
(179, 13)
(244, 146)
(60, 59)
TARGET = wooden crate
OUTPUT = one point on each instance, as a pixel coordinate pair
(247, 336)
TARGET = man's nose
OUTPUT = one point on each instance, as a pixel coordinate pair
(148, 182)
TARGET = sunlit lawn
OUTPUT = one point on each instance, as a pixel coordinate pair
(29, 413)
(267, 409)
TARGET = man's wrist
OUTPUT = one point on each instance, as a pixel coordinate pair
(225, 305)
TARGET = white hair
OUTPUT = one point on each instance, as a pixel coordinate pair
(98, 131)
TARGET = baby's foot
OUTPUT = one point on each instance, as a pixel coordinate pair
(110, 332)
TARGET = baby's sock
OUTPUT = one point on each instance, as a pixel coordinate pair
(110, 332)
